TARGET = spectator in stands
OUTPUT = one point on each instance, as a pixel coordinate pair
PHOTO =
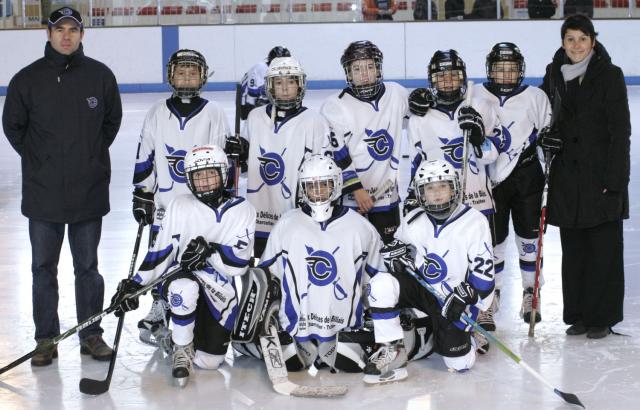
(484, 10)
(541, 9)
(379, 9)
(454, 9)
(421, 11)
(584, 7)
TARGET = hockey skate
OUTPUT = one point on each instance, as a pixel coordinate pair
(482, 344)
(387, 364)
(485, 318)
(154, 326)
(527, 301)
(182, 364)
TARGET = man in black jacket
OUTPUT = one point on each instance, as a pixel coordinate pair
(61, 114)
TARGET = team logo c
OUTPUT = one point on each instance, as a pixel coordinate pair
(175, 162)
(271, 167)
(379, 144)
(433, 268)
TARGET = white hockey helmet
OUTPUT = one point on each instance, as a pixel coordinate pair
(189, 58)
(320, 183)
(285, 67)
(207, 157)
(432, 172)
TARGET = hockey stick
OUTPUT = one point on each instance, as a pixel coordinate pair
(277, 371)
(465, 141)
(568, 397)
(86, 323)
(236, 161)
(95, 387)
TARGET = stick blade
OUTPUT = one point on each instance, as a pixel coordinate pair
(93, 387)
(569, 398)
(291, 389)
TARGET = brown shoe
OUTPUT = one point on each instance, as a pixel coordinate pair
(96, 347)
(45, 353)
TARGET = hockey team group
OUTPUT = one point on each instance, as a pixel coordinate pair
(349, 276)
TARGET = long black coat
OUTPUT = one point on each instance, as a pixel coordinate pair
(593, 119)
(61, 115)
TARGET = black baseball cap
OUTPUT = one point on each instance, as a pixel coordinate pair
(65, 13)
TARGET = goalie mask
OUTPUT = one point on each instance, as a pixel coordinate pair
(285, 83)
(277, 51)
(505, 68)
(187, 73)
(437, 188)
(206, 169)
(362, 64)
(447, 77)
(320, 183)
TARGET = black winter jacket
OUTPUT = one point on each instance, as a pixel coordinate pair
(61, 115)
(593, 120)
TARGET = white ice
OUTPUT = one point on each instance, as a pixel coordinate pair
(605, 374)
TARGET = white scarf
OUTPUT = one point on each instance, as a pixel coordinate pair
(571, 71)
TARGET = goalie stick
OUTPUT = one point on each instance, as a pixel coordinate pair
(277, 371)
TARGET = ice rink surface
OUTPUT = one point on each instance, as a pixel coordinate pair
(605, 374)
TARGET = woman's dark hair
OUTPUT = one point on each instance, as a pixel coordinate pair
(578, 22)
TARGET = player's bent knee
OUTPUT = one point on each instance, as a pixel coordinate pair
(183, 295)
(461, 363)
(207, 361)
(384, 290)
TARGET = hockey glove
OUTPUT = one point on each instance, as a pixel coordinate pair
(123, 299)
(195, 255)
(237, 147)
(420, 100)
(143, 206)
(550, 140)
(410, 203)
(397, 255)
(469, 119)
(457, 301)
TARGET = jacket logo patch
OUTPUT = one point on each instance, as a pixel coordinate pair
(92, 102)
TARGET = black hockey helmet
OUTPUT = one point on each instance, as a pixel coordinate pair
(362, 50)
(444, 61)
(502, 53)
(187, 57)
(277, 51)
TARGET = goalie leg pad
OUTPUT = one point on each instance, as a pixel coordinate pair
(418, 334)
(260, 300)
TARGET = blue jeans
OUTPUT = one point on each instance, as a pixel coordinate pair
(46, 242)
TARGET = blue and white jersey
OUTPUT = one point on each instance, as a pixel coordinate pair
(437, 135)
(366, 139)
(459, 250)
(323, 269)
(252, 84)
(275, 155)
(231, 226)
(165, 139)
(522, 114)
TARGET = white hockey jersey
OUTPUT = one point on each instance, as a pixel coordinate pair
(252, 84)
(437, 135)
(323, 269)
(166, 138)
(366, 141)
(231, 226)
(459, 250)
(275, 155)
(522, 114)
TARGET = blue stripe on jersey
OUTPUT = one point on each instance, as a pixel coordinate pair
(260, 234)
(316, 337)
(378, 208)
(370, 270)
(289, 310)
(154, 259)
(498, 267)
(229, 258)
(385, 315)
(231, 319)
(359, 315)
(481, 284)
(340, 155)
(143, 169)
(255, 92)
(137, 278)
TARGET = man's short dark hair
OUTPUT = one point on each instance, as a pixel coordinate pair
(578, 22)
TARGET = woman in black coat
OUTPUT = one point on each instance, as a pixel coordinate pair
(588, 196)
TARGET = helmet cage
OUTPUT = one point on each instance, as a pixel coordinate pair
(187, 58)
(502, 53)
(435, 172)
(444, 62)
(320, 184)
(204, 158)
(286, 67)
(363, 50)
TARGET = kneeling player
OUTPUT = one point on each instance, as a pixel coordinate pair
(323, 255)
(211, 236)
(453, 253)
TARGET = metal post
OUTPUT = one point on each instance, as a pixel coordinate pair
(429, 10)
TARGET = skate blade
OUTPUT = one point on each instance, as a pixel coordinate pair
(147, 337)
(181, 381)
(389, 377)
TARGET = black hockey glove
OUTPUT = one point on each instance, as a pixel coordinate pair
(122, 297)
(410, 203)
(397, 255)
(195, 255)
(469, 119)
(550, 140)
(143, 206)
(420, 100)
(457, 301)
(237, 147)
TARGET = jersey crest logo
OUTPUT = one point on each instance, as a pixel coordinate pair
(175, 162)
(501, 138)
(433, 268)
(452, 151)
(272, 172)
(379, 144)
(322, 270)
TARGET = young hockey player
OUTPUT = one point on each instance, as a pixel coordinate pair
(211, 236)
(366, 123)
(451, 251)
(279, 135)
(517, 174)
(323, 255)
(171, 128)
(252, 83)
